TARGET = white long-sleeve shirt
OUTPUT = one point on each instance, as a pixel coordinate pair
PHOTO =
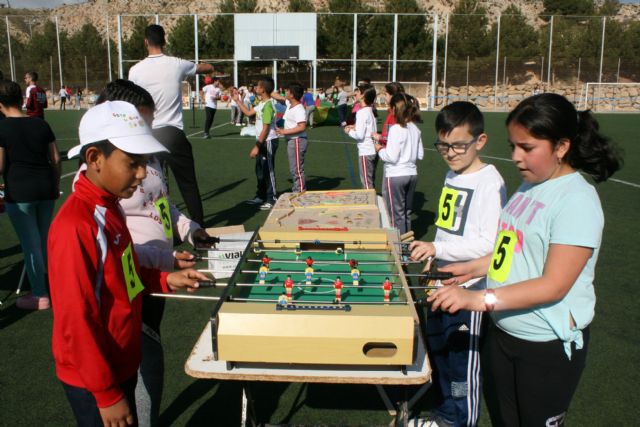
(403, 150)
(478, 200)
(365, 127)
(153, 248)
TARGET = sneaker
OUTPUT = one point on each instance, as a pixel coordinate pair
(255, 201)
(238, 124)
(433, 421)
(206, 136)
(265, 206)
(31, 302)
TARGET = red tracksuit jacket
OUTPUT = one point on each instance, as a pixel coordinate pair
(96, 293)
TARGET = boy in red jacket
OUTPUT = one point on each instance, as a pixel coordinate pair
(96, 283)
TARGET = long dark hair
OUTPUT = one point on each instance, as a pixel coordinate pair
(405, 108)
(552, 117)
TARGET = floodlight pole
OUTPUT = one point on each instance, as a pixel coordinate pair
(51, 72)
(395, 46)
(86, 76)
(315, 75)
(434, 60)
(109, 51)
(549, 57)
(157, 19)
(197, 58)
(446, 49)
(120, 70)
(59, 53)
(354, 63)
(495, 85)
(275, 74)
(235, 72)
(11, 65)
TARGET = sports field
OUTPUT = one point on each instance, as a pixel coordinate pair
(31, 395)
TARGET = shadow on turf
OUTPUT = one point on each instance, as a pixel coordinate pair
(425, 219)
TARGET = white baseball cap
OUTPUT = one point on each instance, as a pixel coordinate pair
(121, 124)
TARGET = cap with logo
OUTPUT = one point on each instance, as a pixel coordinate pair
(121, 124)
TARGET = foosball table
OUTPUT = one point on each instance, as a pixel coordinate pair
(320, 294)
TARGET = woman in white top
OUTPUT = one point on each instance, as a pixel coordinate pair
(403, 149)
(362, 132)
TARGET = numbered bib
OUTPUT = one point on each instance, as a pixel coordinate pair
(446, 208)
(502, 256)
(162, 206)
(134, 285)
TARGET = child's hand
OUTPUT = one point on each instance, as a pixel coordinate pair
(453, 298)
(348, 129)
(118, 414)
(420, 251)
(254, 152)
(462, 272)
(377, 146)
(202, 239)
(280, 132)
(184, 259)
(376, 136)
(185, 279)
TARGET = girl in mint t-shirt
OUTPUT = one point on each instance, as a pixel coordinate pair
(540, 276)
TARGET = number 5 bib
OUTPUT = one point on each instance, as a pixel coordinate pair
(502, 256)
(446, 208)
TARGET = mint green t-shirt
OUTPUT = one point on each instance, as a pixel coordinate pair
(566, 211)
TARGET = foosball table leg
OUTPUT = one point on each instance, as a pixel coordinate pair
(402, 413)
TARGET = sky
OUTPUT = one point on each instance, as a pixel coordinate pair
(29, 4)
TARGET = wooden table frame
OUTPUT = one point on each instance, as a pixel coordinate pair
(201, 364)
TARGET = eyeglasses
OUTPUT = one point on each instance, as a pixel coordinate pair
(457, 147)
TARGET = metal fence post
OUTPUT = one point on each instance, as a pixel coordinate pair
(395, 46)
(354, 54)
(549, 56)
(59, 53)
(434, 61)
(495, 85)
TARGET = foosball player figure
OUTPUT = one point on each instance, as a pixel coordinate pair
(337, 285)
(355, 273)
(308, 272)
(282, 300)
(288, 286)
(262, 273)
(266, 261)
(386, 287)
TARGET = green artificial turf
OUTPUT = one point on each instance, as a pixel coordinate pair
(31, 395)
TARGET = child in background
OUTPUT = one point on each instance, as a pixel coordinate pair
(540, 291)
(30, 167)
(266, 143)
(96, 283)
(362, 132)
(341, 97)
(390, 89)
(211, 93)
(295, 125)
(403, 149)
(468, 211)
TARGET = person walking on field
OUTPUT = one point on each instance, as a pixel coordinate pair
(165, 88)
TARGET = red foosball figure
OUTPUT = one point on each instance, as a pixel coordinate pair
(308, 272)
(386, 287)
(266, 260)
(337, 285)
(288, 286)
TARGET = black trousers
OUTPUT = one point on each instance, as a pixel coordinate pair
(210, 114)
(84, 406)
(532, 383)
(266, 171)
(180, 161)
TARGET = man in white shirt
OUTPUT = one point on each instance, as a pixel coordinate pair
(162, 77)
(211, 93)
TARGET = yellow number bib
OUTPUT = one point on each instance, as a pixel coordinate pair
(134, 285)
(162, 206)
(503, 255)
(446, 208)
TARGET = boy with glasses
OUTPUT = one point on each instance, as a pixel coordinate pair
(467, 224)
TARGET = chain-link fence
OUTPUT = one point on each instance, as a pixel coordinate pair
(494, 61)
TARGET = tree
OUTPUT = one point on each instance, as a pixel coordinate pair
(518, 39)
(567, 7)
(301, 6)
(87, 42)
(181, 39)
(468, 30)
(335, 32)
(218, 34)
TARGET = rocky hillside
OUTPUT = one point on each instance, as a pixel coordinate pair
(72, 17)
